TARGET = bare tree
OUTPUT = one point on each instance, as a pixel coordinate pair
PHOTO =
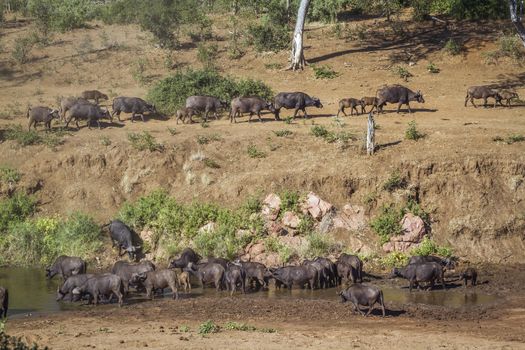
(297, 57)
(516, 14)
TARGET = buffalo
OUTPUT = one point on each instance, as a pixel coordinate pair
(122, 237)
(206, 105)
(360, 294)
(188, 255)
(397, 94)
(298, 275)
(425, 272)
(159, 279)
(99, 286)
(126, 270)
(93, 95)
(420, 259)
(208, 273)
(4, 301)
(134, 105)
(255, 272)
(252, 105)
(294, 100)
(351, 103)
(469, 274)
(235, 276)
(66, 266)
(356, 263)
(89, 113)
(481, 92)
(40, 114)
(68, 102)
(71, 283)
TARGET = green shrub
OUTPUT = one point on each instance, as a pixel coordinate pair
(394, 182)
(205, 139)
(282, 133)
(290, 201)
(16, 209)
(21, 136)
(402, 72)
(510, 139)
(253, 152)
(325, 72)
(319, 131)
(268, 37)
(22, 50)
(61, 15)
(412, 133)
(511, 46)
(318, 245)
(327, 10)
(9, 176)
(331, 136)
(432, 68)
(144, 141)
(170, 94)
(207, 54)
(421, 9)
(387, 222)
(395, 259)
(234, 326)
(453, 47)
(144, 210)
(306, 225)
(428, 247)
(415, 208)
(475, 9)
(208, 327)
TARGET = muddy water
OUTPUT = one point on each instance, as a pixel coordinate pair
(30, 292)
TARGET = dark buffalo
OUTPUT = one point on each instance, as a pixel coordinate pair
(206, 104)
(426, 272)
(420, 259)
(4, 301)
(252, 105)
(68, 102)
(255, 273)
(93, 95)
(351, 103)
(294, 100)
(66, 266)
(40, 114)
(235, 276)
(87, 112)
(323, 280)
(331, 268)
(298, 275)
(99, 286)
(208, 273)
(397, 94)
(159, 279)
(484, 92)
(122, 237)
(70, 284)
(126, 270)
(134, 105)
(188, 255)
(360, 294)
(356, 263)
(469, 274)
(345, 272)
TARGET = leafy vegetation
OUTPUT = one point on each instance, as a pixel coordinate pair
(395, 259)
(394, 182)
(387, 222)
(208, 327)
(453, 47)
(428, 247)
(61, 15)
(21, 136)
(282, 133)
(235, 326)
(207, 54)
(273, 245)
(401, 72)
(16, 209)
(254, 152)
(9, 176)
(22, 50)
(144, 141)
(205, 139)
(432, 68)
(170, 94)
(412, 133)
(318, 245)
(325, 72)
(332, 136)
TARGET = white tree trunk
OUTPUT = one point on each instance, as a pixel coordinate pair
(297, 57)
(515, 17)
(370, 135)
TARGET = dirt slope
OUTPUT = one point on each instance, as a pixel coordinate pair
(473, 186)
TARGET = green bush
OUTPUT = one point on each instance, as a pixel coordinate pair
(144, 141)
(453, 47)
(387, 222)
(331, 136)
(509, 140)
(254, 152)
(21, 136)
(475, 9)
(511, 46)
(144, 210)
(421, 9)
(61, 15)
(235, 326)
(394, 182)
(412, 133)
(9, 176)
(415, 208)
(282, 133)
(432, 68)
(22, 50)
(327, 10)
(318, 245)
(290, 201)
(269, 37)
(170, 94)
(325, 72)
(402, 72)
(428, 247)
(16, 209)
(207, 54)
(208, 327)
(395, 259)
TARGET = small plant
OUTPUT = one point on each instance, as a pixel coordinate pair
(402, 72)
(105, 141)
(387, 223)
(184, 328)
(138, 69)
(205, 139)
(273, 66)
(268, 37)
(370, 199)
(325, 72)
(288, 120)
(144, 141)
(267, 330)
(511, 46)
(432, 68)
(52, 140)
(207, 54)
(318, 245)
(290, 201)
(253, 152)
(394, 182)
(208, 327)
(210, 163)
(509, 139)
(9, 175)
(319, 131)
(205, 124)
(21, 136)
(282, 133)
(395, 259)
(235, 326)
(452, 47)
(22, 50)
(412, 133)
(428, 247)
(172, 131)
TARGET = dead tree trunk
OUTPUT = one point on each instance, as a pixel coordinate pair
(370, 135)
(516, 13)
(297, 56)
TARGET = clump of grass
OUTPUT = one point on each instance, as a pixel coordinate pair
(172, 131)
(453, 47)
(412, 133)
(267, 330)
(395, 259)
(210, 163)
(208, 327)
(318, 244)
(205, 139)
(273, 66)
(282, 133)
(288, 120)
(144, 141)
(23, 137)
(510, 139)
(508, 46)
(401, 72)
(105, 141)
(331, 136)
(235, 326)
(9, 176)
(205, 124)
(432, 68)
(394, 182)
(184, 328)
(253, 152)
(370, 199)
(428, 247)
(325, 72)
(273, 245)
(22, 51)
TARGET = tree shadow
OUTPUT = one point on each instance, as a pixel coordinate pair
(386, 145)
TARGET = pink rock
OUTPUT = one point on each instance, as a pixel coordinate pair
(351, 218)
(290, 219)
(275, 229)
(257, 249)
(316, 206)
(271, 206)
(413, 228)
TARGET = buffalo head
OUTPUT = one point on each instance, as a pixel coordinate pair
(419, 97)
(317, 102)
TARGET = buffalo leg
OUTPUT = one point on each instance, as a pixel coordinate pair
(295, 113)
(259, 115)
(485, 102)
(150, 293)
(443, 283)
(341, 109)
(142, 117)
(472, 102)
(133, 117)
(305, 116)
(466, 100)
(408, 105)
(174, 292)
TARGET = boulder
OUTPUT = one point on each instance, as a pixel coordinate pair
(275, 229)
(271, 206)
(315, 206)
(290, 219)
(350, 218)
(256, 249)
(268, 259)
(413, 232)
